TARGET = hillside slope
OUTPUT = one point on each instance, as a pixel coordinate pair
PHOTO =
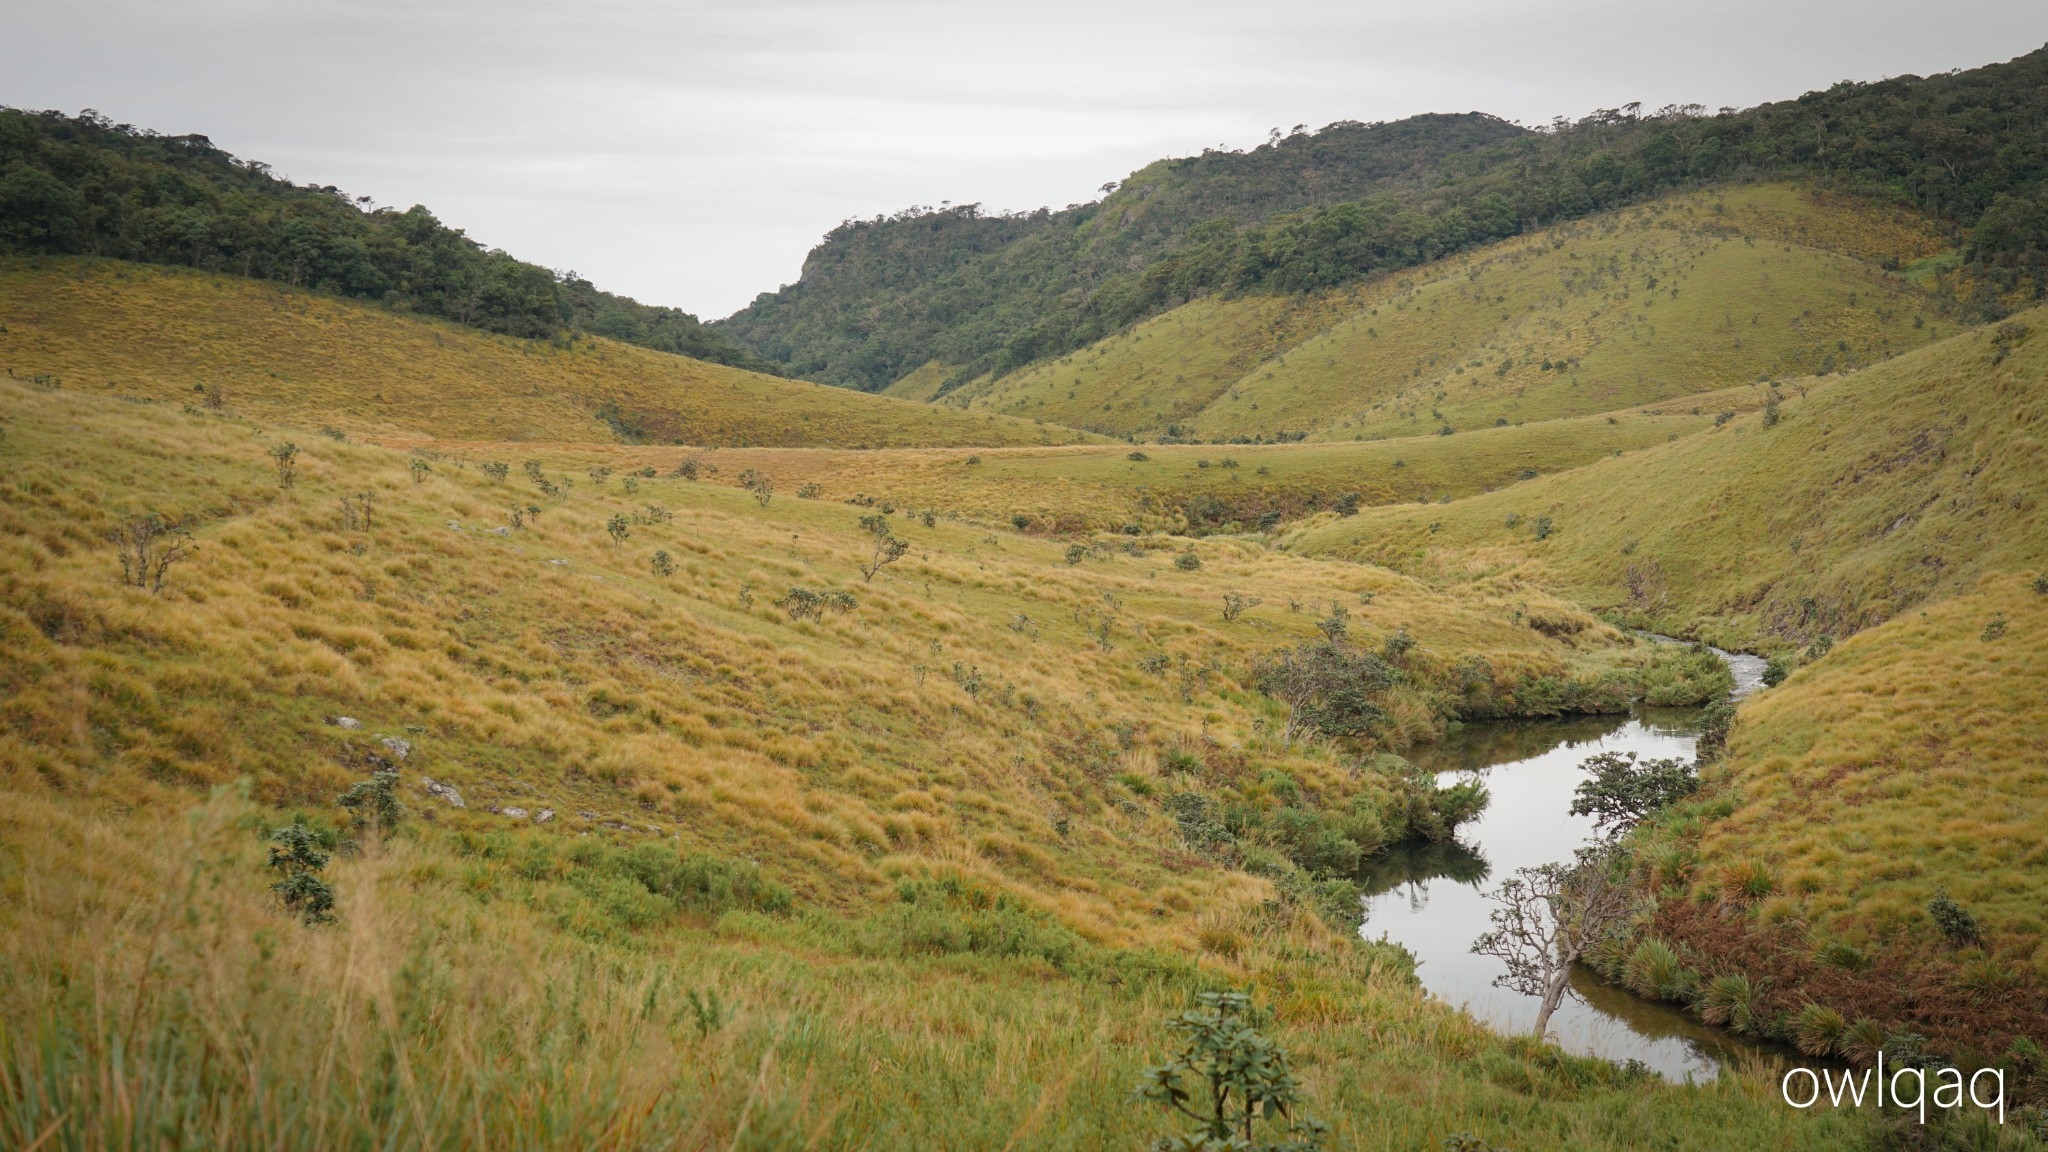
(1683, 295)
(989, 296)
(83, 185)
(715, 868)
(1870, 494)
(282, 354)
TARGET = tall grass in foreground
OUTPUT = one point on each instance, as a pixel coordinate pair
(157, 998)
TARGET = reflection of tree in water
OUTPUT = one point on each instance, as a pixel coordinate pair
(1484, 745)
(1415, 863)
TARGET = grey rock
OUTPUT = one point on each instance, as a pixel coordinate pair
(442, 791)
(397, 747)
(544, 815)
(453, 526)
(502, 531)
(514, 813)
(348, 722)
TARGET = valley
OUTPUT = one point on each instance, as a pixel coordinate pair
(434, 716)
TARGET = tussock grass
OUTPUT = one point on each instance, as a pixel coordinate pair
(287, 355)
(989, 920)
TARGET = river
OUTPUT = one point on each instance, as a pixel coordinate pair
(1430, 897)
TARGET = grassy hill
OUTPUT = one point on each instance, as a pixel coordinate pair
(1177, 488)
(1868, 495)
(1696, 292)
(796, 874)
(1881, 533)
(283, 354)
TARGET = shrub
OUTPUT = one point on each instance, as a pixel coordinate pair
(149, 545)
(1347, 504)
(1995, 629)
(1956, 924)
(1326, 689)
(759, 484)
(1776, 671)
(1235, 605)
(1140, 457)
(1821, 646)
(2041, 584)
(1244, 1076)
(418, 468)
(374, 802)
(617, 528)
(687, 468)
(1544, 528)
(802, 604)
(1715, 720)
(496, 470)
(1076, 553)
(1020, 522)
(297, 856)
(1188, 561)
(286, 457)
(663, 566)
(809, 491)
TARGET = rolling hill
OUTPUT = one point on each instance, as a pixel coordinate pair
(1880, 533)
(989, 295)
(284, 354)
(1680, 296)
(659, 810)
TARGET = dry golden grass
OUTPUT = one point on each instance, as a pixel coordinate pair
(1909, 759)
(481, 989)
(289, 356)
(962, 708)
(1099, 487)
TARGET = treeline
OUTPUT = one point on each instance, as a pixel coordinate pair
(85, 185)
(880, 298)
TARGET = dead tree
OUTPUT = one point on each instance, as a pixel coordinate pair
(1549, 916)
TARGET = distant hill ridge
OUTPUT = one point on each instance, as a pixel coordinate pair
(985, 294)
(84, 185)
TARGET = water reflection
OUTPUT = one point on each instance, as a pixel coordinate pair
(1430, 897)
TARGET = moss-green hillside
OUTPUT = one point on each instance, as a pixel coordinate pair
(283, 354)
(1685, 295)
(1870, 494)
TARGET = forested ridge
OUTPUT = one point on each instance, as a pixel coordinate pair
(85, 185)
(1308, 211)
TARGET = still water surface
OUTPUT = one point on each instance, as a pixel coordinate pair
(1430, 897)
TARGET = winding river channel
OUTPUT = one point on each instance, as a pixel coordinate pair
(1430, 897)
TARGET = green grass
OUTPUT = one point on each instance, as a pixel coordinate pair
(287, 355)
(1873, 493)
(1752, 281)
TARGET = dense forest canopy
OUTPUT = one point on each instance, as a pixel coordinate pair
(1306, 211)
(85, 185)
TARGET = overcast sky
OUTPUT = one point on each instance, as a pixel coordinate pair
(689, 153)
